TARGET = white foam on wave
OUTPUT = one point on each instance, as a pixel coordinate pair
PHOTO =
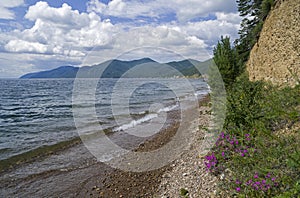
(133, 123)
(142, 112)
(167, 109)
(202, 92)
(146, 118)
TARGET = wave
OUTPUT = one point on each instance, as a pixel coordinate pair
(147, 117)
(133, 123)
(143, 112)
(4, 150)
(36, 153)
(201, 92)
(138, 115)
(168, 108)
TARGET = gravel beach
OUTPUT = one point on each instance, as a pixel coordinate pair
(189, 172)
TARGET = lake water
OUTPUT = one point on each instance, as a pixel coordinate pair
(39, 112)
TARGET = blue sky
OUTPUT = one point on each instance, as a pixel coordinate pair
(41, 35)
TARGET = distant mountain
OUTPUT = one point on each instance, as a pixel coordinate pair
(60, 72)
(141, 68)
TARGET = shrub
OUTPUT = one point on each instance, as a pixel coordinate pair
(262, 163)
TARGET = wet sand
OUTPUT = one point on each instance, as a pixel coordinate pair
(76, 176)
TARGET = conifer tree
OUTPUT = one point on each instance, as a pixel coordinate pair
(225, 59)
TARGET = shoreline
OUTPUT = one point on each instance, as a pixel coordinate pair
(36, 154)
(90, 178)
(189, 174)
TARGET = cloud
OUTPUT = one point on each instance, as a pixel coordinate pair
(6, 5)
(169, 37)
(129, 9)
(60, 31)
(190, 9)
(62, 36)
(58, 36)
(25, 46)
(17, 64)
(211, 31)
(190, 40)
(63, 16)
(233, 18)
(185, 10)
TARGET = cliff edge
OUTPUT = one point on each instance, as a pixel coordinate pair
(276, 55)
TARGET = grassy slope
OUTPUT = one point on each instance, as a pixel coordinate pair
(259, 153)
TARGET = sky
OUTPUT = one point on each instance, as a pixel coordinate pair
(43, 35)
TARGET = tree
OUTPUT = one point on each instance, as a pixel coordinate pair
(231, 60)
(254, 13)
(225, 58)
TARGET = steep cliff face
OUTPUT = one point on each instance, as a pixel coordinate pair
(276, 55)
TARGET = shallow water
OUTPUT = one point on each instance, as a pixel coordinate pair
(39, 112)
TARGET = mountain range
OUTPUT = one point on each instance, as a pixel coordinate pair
(140, 68)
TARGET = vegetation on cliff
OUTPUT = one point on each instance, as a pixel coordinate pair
(258, 153)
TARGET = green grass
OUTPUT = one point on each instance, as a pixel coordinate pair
(268, 115)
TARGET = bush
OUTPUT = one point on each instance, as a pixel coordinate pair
(244, 109)
(261, 162)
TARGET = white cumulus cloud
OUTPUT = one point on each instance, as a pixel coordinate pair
(185, 10)
(5, 5)
(25, 46)
(61, 31)
(211, 31)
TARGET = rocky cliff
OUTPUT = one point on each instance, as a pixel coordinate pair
(276, 55)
